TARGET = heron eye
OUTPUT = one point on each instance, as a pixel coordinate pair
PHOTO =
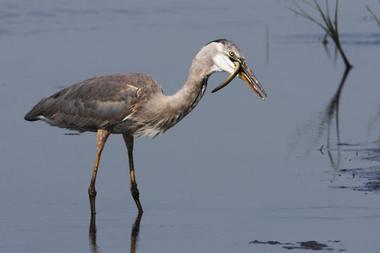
(231, 53)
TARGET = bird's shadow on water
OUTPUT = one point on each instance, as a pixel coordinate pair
(135, 230)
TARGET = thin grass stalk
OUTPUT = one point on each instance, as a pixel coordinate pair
(373, 15)
(327, 24)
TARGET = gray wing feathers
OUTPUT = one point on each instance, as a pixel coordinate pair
(94, 103)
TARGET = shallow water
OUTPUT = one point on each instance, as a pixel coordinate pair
(234, 171)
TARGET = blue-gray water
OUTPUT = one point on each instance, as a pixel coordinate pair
(237, 169)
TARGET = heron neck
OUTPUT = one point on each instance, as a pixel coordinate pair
(185, 99)
(169, 110)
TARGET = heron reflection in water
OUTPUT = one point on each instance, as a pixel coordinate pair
(134, 105)
(134, 234)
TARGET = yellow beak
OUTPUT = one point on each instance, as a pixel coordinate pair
(246, 74)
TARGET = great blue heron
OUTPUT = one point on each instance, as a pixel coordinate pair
(134, 104)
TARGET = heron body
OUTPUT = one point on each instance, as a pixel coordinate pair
(134, 104)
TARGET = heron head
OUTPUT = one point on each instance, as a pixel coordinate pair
(227, 57)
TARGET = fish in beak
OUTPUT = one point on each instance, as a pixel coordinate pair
(245, 74)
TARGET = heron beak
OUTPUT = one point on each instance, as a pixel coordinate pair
(229, 78)
(247, 76)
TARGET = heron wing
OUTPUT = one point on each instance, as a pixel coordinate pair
(98, 102)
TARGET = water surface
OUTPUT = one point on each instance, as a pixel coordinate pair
(234, 171)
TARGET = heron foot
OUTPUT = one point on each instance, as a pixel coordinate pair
(91, 192)
(136, 197)
(135, 192)
(92, 196)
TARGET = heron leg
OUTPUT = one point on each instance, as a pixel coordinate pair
(128, 139)
(135, 233)
(101, 138)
